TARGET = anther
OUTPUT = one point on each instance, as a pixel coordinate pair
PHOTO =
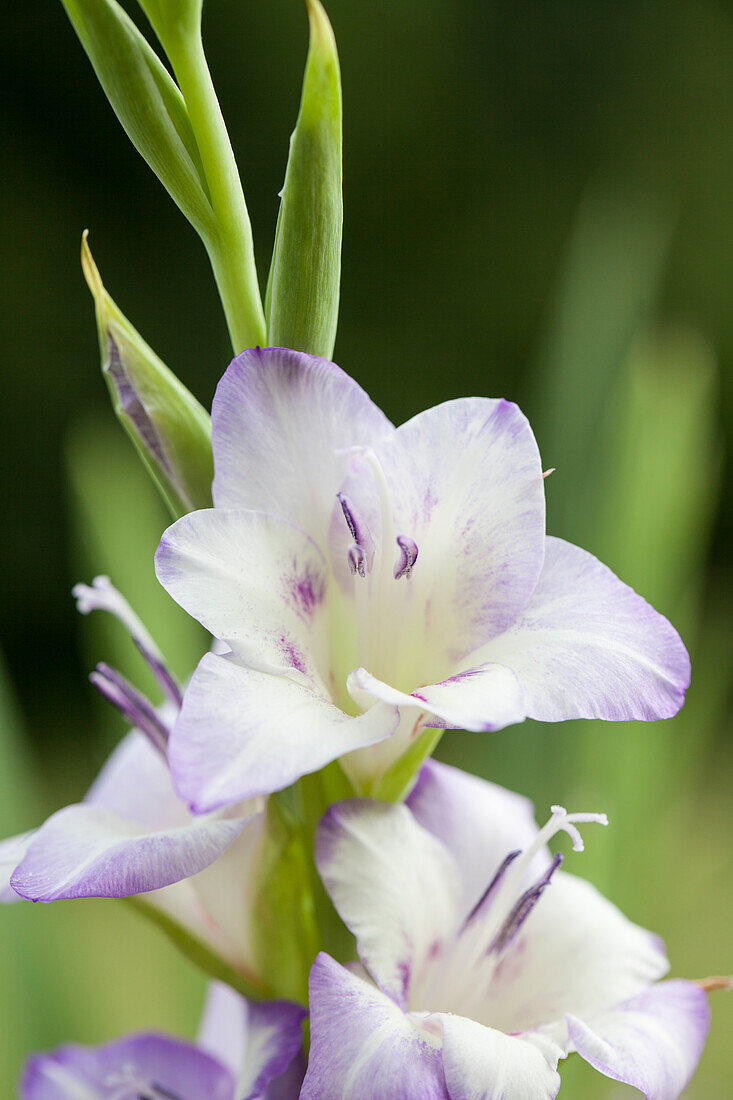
(408, 557)
(357, 561)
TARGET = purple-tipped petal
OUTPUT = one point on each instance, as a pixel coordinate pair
(487, 698)
(257, 1041)
(279, 421)
(652, 1042)
(479, 822)
(122, 1067)
(254, 581)
(373, 850)
(363, 1047)
(242, 733)
(481, 1063)
(87, 851)
(586, 646)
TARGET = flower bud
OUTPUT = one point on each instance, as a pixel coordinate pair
(170, 429)
(303, 287)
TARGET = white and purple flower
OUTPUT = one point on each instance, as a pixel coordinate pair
(133, 835)
(483, 963)
(244, 1051)
(371, 581)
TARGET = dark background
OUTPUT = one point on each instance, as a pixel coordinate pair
(539, 205)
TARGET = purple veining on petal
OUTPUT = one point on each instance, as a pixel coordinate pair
(293, 654)
(131, 704)
(408, 557)
(133, 407)
(491, 888)
(357, 561)
(521, 910)
(307, 591)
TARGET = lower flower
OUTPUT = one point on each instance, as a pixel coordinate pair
(245, 1051)
(483, 964)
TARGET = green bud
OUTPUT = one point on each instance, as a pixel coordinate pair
(170, 429)
(303, 287)
(146, 100)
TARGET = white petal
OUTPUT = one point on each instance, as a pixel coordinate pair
(254, 581)
(135, 783)
(479, 822)
(577, 953)
(466, 484)
(586, 646)
(653, 1041)
(486, 698)
(279, 420)
(483, 1064)
(243, 733)
(394, 885)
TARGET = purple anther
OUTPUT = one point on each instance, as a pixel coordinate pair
(490, 890)
(523, 907)
(357, 561)
(131, 704)
(351, 522)
(408, 557)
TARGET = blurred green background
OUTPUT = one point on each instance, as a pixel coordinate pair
(539, 205)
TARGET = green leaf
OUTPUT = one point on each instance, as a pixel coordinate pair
(147, 102)
(170, 429)
(305, 275)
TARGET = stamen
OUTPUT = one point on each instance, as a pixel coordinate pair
(131, 704)
(101, 595)
(408, 557)
(491, 888)
(524, 906)
(357, 560)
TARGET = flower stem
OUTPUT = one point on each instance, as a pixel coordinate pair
(229, 245)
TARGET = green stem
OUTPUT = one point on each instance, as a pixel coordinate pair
(230, 246)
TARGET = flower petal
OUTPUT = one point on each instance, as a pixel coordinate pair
(652, 1041)
(257, 1041)
(374, 850)
(586, 646)
(362, 1044)
(466, 484)
(243, 732)
(12, 851)
(576, 953)
(486, 698)
(479, 822)
(254, 581)
(279, 418)
(91, 1073)
(481, 1063)
(135, 783)
(88, 851)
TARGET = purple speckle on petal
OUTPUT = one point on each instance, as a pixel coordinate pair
(307, 590)
(293, 655)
